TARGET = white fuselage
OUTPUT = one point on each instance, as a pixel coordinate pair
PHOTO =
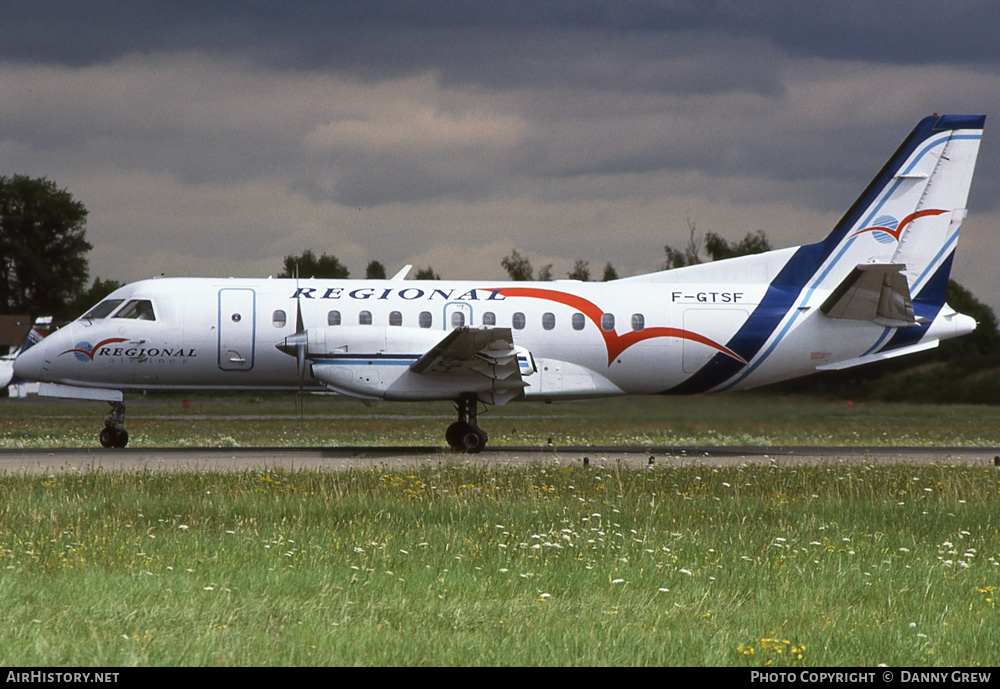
(575, 339)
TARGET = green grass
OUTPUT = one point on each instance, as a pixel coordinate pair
(732, 419)
(446, 564)
(542, 565)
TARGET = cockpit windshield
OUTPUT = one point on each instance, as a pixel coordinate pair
(138, 309)
(103, 309)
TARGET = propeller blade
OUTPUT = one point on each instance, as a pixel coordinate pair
(300, 363)
(299, 327)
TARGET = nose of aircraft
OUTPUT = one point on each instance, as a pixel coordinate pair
(28, 364)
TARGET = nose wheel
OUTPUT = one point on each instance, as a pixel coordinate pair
(465, 435)
(113, 435)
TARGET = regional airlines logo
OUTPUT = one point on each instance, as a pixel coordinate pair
(84, 351)
(615, 343)
(887, 229)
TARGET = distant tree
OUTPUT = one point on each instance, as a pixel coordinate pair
(689, 256)
(308, 266)
(545, 273)
(43, 247)
(91, 296)
(581, 271)
(753, 243)
(716, 247)
(375, 271)
(518, 267)
(427, 274)
(609, 273)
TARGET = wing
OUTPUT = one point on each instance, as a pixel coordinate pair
(490, 353)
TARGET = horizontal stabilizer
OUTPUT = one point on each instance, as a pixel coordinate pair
(879, 356)
(875, 292)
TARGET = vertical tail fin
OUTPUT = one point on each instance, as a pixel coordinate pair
(906, 219)
(909, 218)
(37, 333)
(911, 212)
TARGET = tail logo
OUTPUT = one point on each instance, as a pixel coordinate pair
(886, 229)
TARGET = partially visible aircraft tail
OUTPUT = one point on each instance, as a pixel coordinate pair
(37, 333)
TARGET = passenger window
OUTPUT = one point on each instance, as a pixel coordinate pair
(457, 319)
(425, 320)
(608, 321)
(137, 309)
(278, 318)
(395, 318)
(548, 321)
(103, 309)
(333, 318)
(365, 318)
(489, 318)
(578, 321)
(638, 321)
(518, 321)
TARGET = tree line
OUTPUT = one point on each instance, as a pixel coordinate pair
(308, 265)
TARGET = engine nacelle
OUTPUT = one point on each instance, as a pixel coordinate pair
(364, 340)
(373, 362)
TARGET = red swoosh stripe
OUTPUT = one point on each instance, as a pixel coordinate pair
(613, 342)
(897, 233)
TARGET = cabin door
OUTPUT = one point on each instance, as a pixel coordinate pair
(237, 328)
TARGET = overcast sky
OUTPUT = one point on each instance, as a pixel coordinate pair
(214, 138)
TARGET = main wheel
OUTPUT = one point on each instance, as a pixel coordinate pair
(454, 434)
(474, 440)
(112, 436)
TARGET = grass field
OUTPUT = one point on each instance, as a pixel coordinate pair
(275, 420)
(445, 564)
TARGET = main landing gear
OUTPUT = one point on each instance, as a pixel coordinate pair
(465, 435)
(113, 435)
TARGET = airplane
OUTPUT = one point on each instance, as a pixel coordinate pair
(873, 289)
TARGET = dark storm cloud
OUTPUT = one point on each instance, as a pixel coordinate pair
(395, 130)
(491, 42)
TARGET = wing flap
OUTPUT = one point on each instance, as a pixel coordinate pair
(488, 352)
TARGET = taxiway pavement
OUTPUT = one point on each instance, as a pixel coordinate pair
(38, 461)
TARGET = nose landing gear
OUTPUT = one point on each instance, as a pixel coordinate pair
(465, 435)
(113, 435)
